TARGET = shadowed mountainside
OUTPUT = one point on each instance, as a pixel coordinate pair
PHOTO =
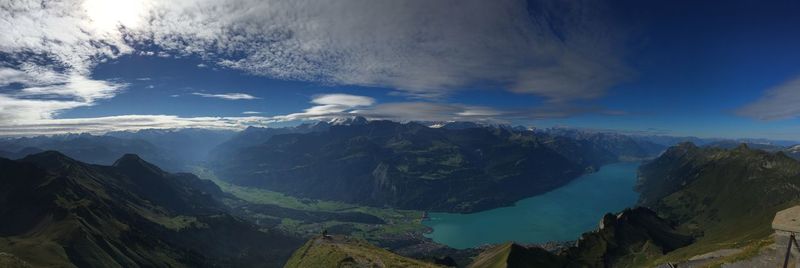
(61, 212)
(724, 197)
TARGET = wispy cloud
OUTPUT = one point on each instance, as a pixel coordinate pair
(48, 54)
(323, 107)
(424, 49)
(227, 96)
(780, 102)
(337, 105)
(99, 125)
(45, 92)
(420, 48)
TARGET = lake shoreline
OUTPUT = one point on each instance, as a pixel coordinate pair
(557, 216)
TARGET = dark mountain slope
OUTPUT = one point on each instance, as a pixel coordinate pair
(409, 165)
(626, 239)
(724, 197)
(61, 212)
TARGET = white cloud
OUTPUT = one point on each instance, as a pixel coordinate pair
(329, 105)
(781, 102)
(227, 96)
(71, 33)
(10, 76)
(323, 107)
(45, 92)
(430, 111)
(336, 105)
(343, 99)
(48, 50)
(99, 125)
(562, 50)
(73, 86)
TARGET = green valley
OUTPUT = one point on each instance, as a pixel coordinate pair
(395, 224)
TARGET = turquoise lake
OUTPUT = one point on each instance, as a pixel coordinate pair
(559, 215)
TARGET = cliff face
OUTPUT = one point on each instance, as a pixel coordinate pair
(625, 240)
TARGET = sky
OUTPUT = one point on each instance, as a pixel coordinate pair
(703, 68)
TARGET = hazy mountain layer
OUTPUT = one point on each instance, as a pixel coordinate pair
(185, 146)
(93, 149)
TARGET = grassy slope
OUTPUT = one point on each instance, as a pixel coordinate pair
(338, 251)
(496, 257)
(399, 222)
(732, 201)
(516, 256)
(9, 260)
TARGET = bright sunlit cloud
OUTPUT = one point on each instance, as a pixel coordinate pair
(108, 15)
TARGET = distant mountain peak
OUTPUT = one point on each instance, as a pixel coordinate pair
(743, 146)
(133, 161)
(348, 121)
(461, 125)
(794, 149)
(50, 159)
(126, 158)
(686, 145)
(49, 154)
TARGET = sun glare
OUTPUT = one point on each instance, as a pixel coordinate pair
(108, 15)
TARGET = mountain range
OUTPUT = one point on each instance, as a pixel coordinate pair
(412, 166)
(694, 201)
(94, 204)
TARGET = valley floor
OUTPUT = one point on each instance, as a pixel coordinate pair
(401, 231)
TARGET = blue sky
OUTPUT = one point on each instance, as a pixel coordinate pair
(709, 69)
